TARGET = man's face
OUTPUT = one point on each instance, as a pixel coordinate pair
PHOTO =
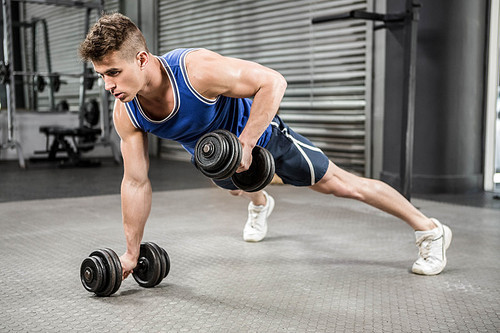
(121, 76)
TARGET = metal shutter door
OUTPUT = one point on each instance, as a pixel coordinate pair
(327, 66)
(66, 30)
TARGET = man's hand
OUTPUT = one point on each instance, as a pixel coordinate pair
(246, 158)
(128, 264)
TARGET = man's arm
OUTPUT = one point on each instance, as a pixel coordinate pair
(135, 189)
(212, 75)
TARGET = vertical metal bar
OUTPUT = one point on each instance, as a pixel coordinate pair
(369, 59)
(49, 63)
(83, 81)
(408, 117)
(9, 86)
(139, 15)
(34, 65)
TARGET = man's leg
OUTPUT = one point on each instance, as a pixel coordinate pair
(260, 207)
(258, 198)
(432, 237)
(373, 192)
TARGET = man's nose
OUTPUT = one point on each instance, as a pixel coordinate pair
(108, 84)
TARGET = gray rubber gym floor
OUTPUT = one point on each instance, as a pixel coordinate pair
(327, 265)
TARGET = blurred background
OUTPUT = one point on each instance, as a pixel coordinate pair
(411, 98)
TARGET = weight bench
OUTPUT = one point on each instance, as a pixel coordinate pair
(72, 142)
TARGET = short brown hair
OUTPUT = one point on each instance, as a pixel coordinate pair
(112, 32)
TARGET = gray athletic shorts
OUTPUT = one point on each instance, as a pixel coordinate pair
(298, 162)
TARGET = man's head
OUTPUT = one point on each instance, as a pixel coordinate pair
(113, 33)
(118, 52)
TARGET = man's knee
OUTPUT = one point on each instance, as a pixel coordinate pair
(341, 184)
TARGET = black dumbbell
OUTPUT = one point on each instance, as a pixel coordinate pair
(101, 271)
(218, 154)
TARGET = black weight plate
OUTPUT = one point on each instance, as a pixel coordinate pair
(271, 171)
(211, 160)
(109, 268)
(260, 173)
(147, 270)
(91, 274)
(268, 172)
(167, 260)
(104, 274)
(118, 269)
(91, 112)
(56, 83)
(234, 159)
(40, 83)
(223, 157)
(62, 106)
(163, 263)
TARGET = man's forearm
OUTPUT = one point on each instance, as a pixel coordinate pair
(136, 206)
(264, 107)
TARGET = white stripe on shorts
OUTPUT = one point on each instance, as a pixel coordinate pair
(298, 144)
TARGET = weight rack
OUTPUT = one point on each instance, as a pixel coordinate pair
(9, 75)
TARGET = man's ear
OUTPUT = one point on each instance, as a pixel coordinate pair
(142, 59)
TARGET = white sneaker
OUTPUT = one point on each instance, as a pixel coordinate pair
(432, 247)
(256, 227)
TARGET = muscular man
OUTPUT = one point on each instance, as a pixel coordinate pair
(189, 92)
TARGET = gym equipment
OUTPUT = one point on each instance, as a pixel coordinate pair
(62, 106)
(56, 83)
(218, 154)
(39, 83)
(72, 142)
(101, 272)
(260, 173)
(91, 112)
(40, 78)
(51, 81)
(153, 265)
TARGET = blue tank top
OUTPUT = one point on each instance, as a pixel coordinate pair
(192, 115)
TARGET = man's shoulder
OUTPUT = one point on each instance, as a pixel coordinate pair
(175, 56)
(121, 117)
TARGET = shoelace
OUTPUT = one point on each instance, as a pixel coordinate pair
(424, 247)
(254, 217)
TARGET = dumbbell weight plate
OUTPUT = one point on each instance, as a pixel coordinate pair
(118, 269)
(270, 173)
(260, 173)
(92, 274)
(218, 154)
(111, 272)
(162, 261)
(233, 160)
(211, 150)
(148, 268)
(167, 260)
